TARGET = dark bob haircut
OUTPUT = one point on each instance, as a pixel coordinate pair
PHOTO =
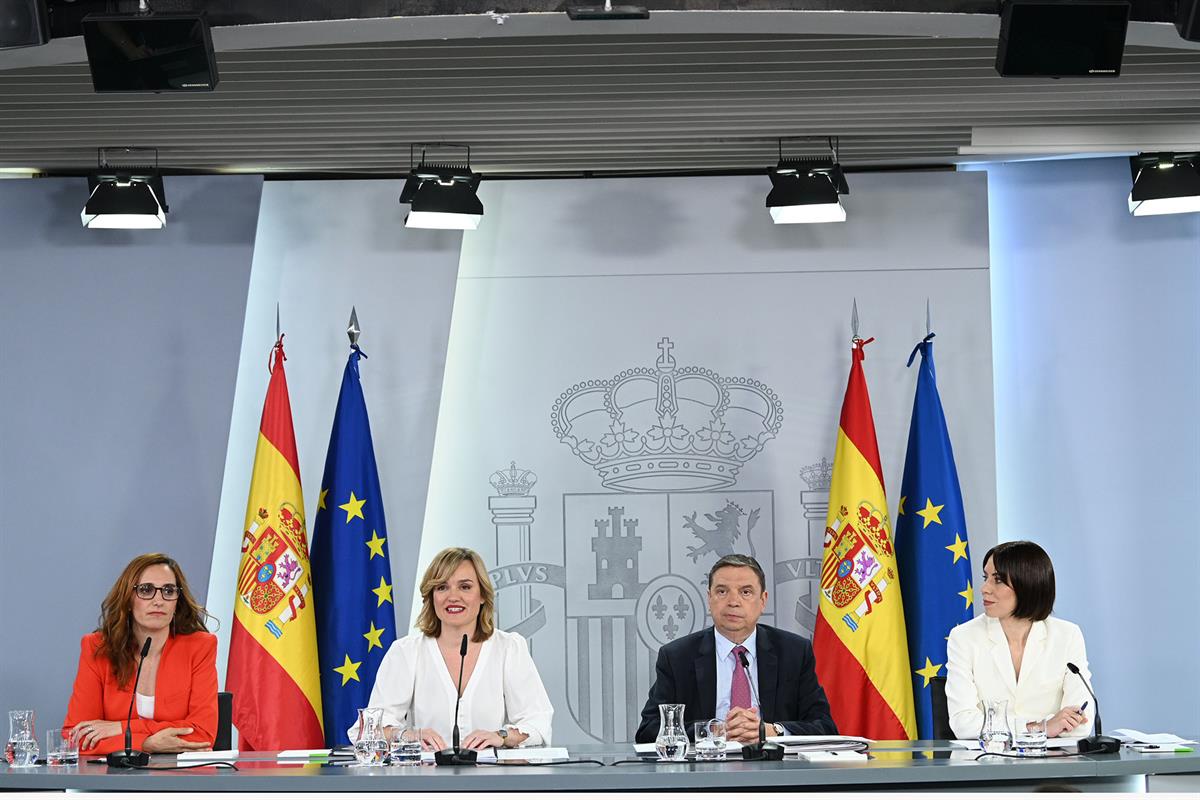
(739, 560)
(1025, 567)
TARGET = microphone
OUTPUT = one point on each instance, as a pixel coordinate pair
(455, 756)
(130, 758)
(1097, 742)
(762, 750)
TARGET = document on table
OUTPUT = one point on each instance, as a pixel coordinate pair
(834, 756)
(1129, 735)
(303, 755)
(647, 748)
(1057, 743)
(798, 744)
(207, 755)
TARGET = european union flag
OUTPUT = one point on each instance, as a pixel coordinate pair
(351, 573)
(931, 540)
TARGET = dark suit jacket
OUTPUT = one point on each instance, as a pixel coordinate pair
(787, 682)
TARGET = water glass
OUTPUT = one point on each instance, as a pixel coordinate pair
(404, 744)
(21, 749)
(710, 740)
(1029, 736)
(62, 749)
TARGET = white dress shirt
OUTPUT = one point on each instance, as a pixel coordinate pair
(725, 666)
(413, 685)
(979, 668)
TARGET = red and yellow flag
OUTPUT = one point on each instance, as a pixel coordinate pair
(273, 647)
(860, 644)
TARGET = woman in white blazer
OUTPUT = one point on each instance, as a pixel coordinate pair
(1016, 651)
(504, 703)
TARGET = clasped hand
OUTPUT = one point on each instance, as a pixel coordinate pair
(741, 725)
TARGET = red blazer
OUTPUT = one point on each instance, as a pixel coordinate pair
(185, 692)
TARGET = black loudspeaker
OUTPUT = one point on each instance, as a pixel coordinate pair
(23, 23)
(1187, 20)
(1062, 38)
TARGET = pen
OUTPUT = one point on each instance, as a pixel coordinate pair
(1083, 707)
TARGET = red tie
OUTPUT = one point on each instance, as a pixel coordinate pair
(739, 690)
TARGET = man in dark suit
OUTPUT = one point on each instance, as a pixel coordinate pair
(704, 670)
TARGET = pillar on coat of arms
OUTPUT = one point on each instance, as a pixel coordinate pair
(512, 510)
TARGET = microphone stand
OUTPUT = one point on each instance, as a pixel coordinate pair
(455, 756)
(762, 750)
(1097, 742)
(130, 758)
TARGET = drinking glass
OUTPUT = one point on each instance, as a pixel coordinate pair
(62, 749)
(21, 749)
(404, 745)
(710, 740)
(1029, 736)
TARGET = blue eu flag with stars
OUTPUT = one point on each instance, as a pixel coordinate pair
(352, 578)
(931, 540)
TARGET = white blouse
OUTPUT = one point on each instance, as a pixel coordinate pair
(413, 685)
(979, 668)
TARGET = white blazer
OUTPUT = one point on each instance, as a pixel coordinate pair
(414, 685)
(979, 667)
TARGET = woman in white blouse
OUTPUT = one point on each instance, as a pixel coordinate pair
(503, 701)
(1016, 651)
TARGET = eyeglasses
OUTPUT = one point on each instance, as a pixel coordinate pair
(146, 591)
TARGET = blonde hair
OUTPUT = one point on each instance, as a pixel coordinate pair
(437, 573)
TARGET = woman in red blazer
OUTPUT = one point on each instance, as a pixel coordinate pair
(176, 703)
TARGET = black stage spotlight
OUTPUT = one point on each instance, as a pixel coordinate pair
(607, 12)
(441, 195)
(807, 189)
(127, 195)
(1164, 183)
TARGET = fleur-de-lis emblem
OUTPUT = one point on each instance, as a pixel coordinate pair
(659, 608)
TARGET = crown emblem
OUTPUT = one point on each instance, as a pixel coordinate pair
(513, 482)
(669, 428)
(818, 476)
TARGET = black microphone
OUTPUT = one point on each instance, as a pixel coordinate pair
(130, 758)
(456, 756)
(1097, 742)
(762, 750)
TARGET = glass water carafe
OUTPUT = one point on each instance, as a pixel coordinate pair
(672, 741)
(21, 749)
(370, 745)
(995, 736)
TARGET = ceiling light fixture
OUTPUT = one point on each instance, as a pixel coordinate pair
(442, 194)
(126, 191)
(808, 189)
(1164, 183)
(607, 12)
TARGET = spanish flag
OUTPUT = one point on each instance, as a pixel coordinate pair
(860, 645)
(273, 646)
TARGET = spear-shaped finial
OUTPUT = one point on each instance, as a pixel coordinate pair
(854, 320)
(353, 331)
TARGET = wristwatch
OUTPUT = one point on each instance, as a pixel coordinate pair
(503, 734)
(779, 729)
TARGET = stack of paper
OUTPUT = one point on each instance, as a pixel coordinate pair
(1130, 736)
(793, 745)
(303, 756)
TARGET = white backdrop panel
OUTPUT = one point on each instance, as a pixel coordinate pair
(568, 282)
